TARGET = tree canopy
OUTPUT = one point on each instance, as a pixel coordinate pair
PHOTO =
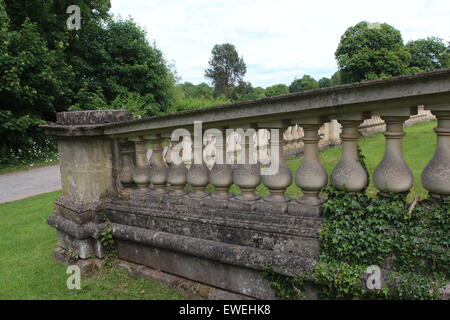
(369, 51)
(305, 83)
(428, 54)
(46, 68)
(277, 89)
(226, 68)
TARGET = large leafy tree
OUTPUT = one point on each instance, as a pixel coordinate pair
(276, 90)
(324, 82)
(226, 69)
(45, 68)
(50, 16)
(428, 54)
(305, 83)
(116, 59)
(31, 80)
(369, 51)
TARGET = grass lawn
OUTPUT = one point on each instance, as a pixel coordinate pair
(28, 270)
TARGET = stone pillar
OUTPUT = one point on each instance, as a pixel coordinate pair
(126, 168)
(349, 174)
(141, 174)
(197, 176)
(176, 175)
(158, 169)
(436, 176)
(221, 174)
(247, 175)
(311, 176)
(87, 176)
(393, 174)
(278, 182)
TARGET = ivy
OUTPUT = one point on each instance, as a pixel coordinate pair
(107, 240)
(285, 287)
(411, 243)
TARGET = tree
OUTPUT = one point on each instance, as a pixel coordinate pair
(50, 17)
(117, 59)
(46, 68)
(255, 93)
(336, 79)
(190, 90)
(276, 90)
(31, 77)
(324, 82)
(242, 89)
(305, 83)
(428, 54)
(369, 51)
(226, 68)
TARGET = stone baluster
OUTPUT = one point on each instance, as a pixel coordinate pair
(221, 174)
(231, 147)
(311, 176)
(158, 169)
(197, 176)
(187, 150)
(436, 175)
(288, 138)
(176, 175)
(393, 174)
(209, 152)
(349, 174)
(296, 136)
(278, 181)
(263, 145)
(299, 133)
(247, 174)
(127, 168)
(141, 174)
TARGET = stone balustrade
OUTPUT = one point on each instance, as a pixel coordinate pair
(175, 212)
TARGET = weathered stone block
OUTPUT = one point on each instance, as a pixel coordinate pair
(235, 279)
(269, 207)
(85, 248)
(298, 209)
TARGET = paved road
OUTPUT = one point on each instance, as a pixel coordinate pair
(19, 185)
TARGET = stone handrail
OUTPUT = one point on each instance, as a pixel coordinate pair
(391, 100)
(105, 169)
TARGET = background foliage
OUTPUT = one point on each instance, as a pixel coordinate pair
(46, 68)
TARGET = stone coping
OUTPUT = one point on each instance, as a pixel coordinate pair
(90, 117)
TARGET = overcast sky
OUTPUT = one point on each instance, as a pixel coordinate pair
(279, 39)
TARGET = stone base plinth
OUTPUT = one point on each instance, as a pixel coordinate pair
(205, 241)
(84, 248)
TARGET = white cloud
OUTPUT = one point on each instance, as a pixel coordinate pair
(279, 40)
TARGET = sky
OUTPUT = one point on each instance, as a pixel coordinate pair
(280, 40)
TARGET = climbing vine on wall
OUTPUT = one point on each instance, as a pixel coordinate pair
(411, 242)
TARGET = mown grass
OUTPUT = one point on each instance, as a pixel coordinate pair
(29, 271)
